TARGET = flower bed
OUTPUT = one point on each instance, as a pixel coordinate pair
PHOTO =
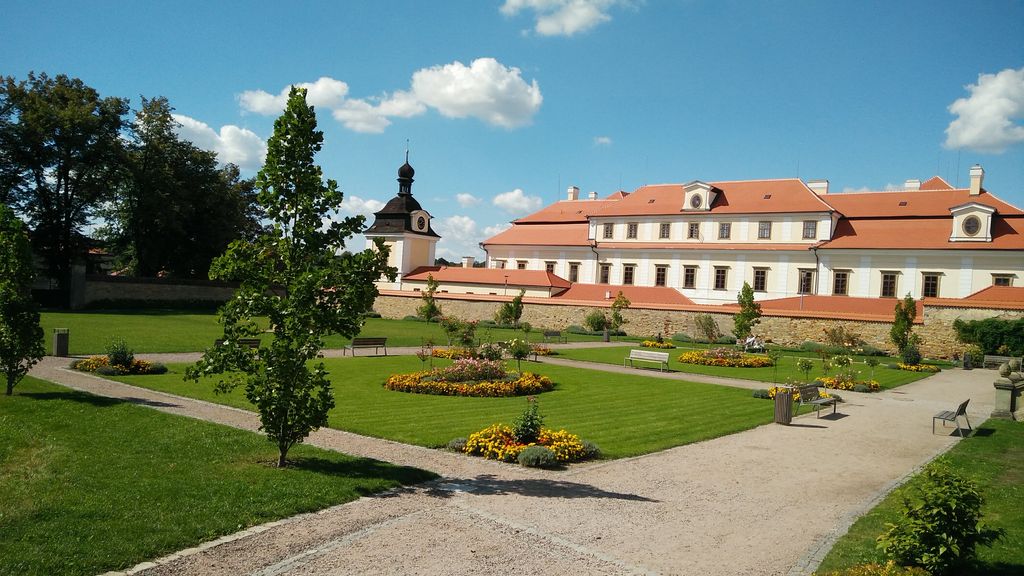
(724, 357)
(101, 365)
(452, 353)
(840, 383)
(498, 442)
(918, 367)
(655, 344)
(542, 350)
(470, 377)
(796, 392)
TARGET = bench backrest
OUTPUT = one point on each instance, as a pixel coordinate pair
(808, 393)
(552, 333)
(962, 410)
(368, 341)
(648, 355)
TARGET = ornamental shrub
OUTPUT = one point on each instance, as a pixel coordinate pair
(707, 327)
(992, 333)
(596, 321)
(862, 388)
(456, 445)
(119, 354)
(591, 451)
(911, 355)
(538, 457)
(526, 428)
(976, 353)
(940, 523)
(681, 337)
(489, 351)
(762, 393)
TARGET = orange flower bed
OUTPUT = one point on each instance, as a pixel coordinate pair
(102, 365)
(418, 383)
(718, 357)
(498, 442)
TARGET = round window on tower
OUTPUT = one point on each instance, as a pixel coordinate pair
(972, 225)
(695, 201)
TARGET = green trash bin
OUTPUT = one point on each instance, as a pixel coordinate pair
(60, 342)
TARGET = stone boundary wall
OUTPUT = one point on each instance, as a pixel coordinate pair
(936, 331)
(123, 289)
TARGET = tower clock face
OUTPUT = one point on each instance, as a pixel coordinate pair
(421, 223)
(695, 201)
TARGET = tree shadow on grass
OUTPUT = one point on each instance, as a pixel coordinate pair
(74, 396)
(490, 485)
(361, 468)
(999, 569)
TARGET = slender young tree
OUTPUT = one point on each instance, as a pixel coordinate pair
(749, 314)
(299, 277)
(21, 337)
(903, 322)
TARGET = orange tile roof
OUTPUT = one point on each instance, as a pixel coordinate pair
(637, 294)
(735, 197)
(935, 202)
(707, 246)
(488, 276)
(542, 235)
(935, 183)
(565, 211)
(922, 234)
(1003, 297)
(617, 195)
(839, 307)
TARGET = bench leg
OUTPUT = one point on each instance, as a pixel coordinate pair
(933, 426)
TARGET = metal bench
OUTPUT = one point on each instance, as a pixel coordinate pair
(556, 334)
(647, 356)
(250, 342)
(809, 395)
(953, 416)
(993, 361)
(375, 343)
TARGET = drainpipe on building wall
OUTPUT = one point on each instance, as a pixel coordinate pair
(597, 262)
(817, 274)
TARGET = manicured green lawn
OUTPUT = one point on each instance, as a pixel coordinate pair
(91, 484)
(624, 414)
(994, 457)
(787, 370)
(174, 331)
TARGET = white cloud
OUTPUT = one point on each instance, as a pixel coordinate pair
(985, 119)
(562, 17)
(362, 116)
(232, 144)
(459, 237)
(486, 90)
(496, 229)
(602, 141)
(517, 203)
(352, 204)
(325, 92)
(466, 200)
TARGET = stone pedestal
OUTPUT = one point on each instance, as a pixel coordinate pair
(1008, 392)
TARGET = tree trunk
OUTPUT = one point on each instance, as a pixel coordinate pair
(281, 457)
(10, 385)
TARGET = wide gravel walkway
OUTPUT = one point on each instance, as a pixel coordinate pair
(766, 501)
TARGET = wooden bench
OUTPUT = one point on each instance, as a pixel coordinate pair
(809, 395)
(556, 334)
(952, 416)
(372, 342)
(250, 342)
(647, 356)
(750, 344)
(993, 361)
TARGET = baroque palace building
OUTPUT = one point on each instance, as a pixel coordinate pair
(787, 238)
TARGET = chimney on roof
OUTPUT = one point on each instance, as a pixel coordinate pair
(913, 184)
(819, 187)
(592, 195)
(574, 193)
(467, 261)
(977, 177)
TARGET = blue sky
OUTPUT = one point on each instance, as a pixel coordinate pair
(507, 103)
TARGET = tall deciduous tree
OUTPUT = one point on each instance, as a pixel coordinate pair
(176, 210)
(903, 322)
(297, 276)
(749, 314)
(60, 151)
(21, 338)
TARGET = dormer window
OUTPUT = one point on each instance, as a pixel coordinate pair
(972, 222)
(697, 195)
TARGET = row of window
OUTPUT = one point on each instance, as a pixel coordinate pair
(764, 230)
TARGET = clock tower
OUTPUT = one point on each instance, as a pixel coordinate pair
(405, 228)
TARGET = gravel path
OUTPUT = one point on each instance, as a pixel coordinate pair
(725, 506)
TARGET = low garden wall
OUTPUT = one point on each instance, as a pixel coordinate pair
(124, 290)
(936, 329)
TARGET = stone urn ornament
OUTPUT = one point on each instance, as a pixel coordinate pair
(1004, 369)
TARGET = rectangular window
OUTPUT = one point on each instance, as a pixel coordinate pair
(574, 271)
(1002, 280)
(499, 263)
(806, 281)
(521, 264)
(764, 230)
(689, 276)
(810, 229)
(930, 286)
(606, 270)
(627, 273)
(549, 267)
(693, 231)
(760, 279)
(660, 274)
(631, 229)
(721, 275)
(841, 282)
(888, 284)
(724, 230)
(609, 231)
(665, 231)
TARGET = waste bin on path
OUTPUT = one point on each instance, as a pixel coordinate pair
(784, 406)
(60, 341)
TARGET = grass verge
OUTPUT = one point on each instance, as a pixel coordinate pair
(92, 484)
(625, 414)
(994, 458)
(787, 370)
